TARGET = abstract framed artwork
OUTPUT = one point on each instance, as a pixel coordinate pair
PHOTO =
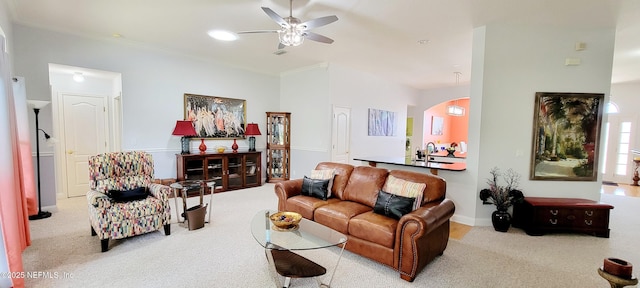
(566, 136)
(437, 125)
(382, 123)
(216, 117)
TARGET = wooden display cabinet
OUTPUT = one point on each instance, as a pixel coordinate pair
(230, 170)
(278, 146)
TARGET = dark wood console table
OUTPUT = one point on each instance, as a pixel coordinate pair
(539, 215)
(229, 170)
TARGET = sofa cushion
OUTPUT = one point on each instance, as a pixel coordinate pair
(364, 184)
(336, 215)
(324, 174)
(306, 205)
(405, 188)
(436, 186)
(315, 188)
(392, 205)
(342, 172)
(374, 227)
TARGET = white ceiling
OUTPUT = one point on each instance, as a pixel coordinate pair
(378, 36)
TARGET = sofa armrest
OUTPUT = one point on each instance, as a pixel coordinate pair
(162, 192)
(429, 217)
(421, 236)
(287, 189)
(98, 199)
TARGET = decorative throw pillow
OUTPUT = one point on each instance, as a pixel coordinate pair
(129, 195)
(324, 174)
(315, 188)
(405, 188)
(392, 205)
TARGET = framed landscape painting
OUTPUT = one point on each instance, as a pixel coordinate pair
(566, 136)
(216, 117)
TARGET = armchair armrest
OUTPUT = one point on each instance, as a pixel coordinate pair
(162, 192)
(98, 199)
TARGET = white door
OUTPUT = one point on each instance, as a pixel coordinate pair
(340, 134)
(618, 164)
(85, 128)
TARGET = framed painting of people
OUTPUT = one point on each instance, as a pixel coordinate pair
(216, 117)
(566, 136)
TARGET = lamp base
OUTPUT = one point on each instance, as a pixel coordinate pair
(40, 215)
(252, 143)
(185, 145)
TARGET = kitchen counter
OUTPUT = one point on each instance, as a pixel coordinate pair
(434, 166)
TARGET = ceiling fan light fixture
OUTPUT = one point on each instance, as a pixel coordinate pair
(223, 35)
(291, 36)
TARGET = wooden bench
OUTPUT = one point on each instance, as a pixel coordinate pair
(539, 215)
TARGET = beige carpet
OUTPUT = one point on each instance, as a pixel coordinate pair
(224, 254)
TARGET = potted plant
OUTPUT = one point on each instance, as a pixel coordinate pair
(502, 196)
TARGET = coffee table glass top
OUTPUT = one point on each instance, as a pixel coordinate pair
(308, 235)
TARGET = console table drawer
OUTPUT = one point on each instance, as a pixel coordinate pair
(542, 215)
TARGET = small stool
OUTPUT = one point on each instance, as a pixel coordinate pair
(615, 281)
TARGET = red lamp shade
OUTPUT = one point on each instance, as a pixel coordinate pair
(252, 130)
(184, 128)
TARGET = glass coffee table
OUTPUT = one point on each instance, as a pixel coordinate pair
(280, 244)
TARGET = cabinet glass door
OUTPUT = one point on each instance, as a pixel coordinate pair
(193, 169)
(234, 169)
(279, 166)
(252, 170)
(215, 171)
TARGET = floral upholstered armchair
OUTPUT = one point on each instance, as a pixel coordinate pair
(123, 200)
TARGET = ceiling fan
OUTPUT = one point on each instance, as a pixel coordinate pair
(292, 31)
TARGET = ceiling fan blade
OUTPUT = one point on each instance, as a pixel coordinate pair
(317, 37)
(257, 31)
(313, 23)
(275, 17)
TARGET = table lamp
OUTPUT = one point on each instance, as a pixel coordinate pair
(185, 129)
(252, 130)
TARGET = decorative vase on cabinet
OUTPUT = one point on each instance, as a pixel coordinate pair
(278, 146)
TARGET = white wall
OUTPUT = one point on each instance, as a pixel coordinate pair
(361, 91)
(153, 85)
(518, 62)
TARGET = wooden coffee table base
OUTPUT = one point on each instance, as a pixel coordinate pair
(292, 265)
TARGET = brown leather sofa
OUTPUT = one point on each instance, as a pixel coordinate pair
(407, 244)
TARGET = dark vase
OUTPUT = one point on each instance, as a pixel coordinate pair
(501, 220)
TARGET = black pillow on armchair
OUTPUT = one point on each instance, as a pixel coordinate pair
(394, 206)
(129, 195)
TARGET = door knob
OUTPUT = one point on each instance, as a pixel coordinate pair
(69, 151)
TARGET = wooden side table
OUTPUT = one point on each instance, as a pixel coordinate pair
(615, 281)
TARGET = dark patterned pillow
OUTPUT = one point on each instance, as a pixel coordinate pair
(129, 195)
(394, 206)
(315, 188)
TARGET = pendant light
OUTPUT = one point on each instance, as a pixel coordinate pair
(455, 109)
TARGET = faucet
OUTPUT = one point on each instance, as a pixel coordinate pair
(429, 150)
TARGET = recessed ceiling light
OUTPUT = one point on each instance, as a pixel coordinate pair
(116, 35)
(423, 41)
(223, 35)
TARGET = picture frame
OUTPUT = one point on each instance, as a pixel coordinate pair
(382, 123)
(437, 125)
(216, 117)
(566, 136)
